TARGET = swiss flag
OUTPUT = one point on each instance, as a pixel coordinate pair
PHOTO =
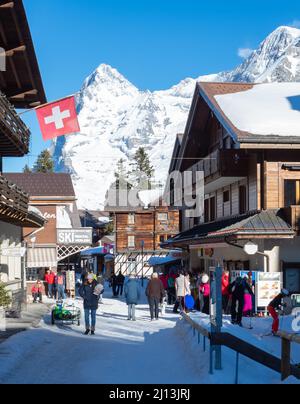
(58, 118)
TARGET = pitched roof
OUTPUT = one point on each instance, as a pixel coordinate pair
(21, 82)
(256, 223)
(212, 94)
(44, 185)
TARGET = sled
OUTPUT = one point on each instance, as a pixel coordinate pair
(66, 313)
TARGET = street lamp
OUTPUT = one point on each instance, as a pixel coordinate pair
(251, 248)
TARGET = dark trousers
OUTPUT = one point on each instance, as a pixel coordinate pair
(225, 301)
(114, 289)
(205, 308)
(237, 312)
(154, 307)
(50, 290)
(119, 291)
(37, 296)
(171, 296)
(180, 304)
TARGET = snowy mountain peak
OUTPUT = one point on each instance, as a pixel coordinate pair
(116, 117)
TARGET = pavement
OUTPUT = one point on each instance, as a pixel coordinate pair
(30, 318)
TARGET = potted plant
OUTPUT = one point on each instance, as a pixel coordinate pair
(5, 300)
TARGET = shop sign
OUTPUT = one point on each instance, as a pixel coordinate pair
(75, 236)
(13, 252)
(268, 287)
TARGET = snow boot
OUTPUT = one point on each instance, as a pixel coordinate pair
(92, 332)
(87, 332)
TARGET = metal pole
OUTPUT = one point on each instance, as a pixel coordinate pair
(142, 264)
(219, 316)
(237, 368)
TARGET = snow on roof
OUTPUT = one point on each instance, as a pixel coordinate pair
(266, 109)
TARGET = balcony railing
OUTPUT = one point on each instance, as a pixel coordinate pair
(224, 163)
(292, 214)
(13, 201)
(14, 134)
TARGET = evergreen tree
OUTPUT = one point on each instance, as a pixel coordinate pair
(122, 176)
(27, 169)
(143, 172)
(5, 299)
(44, 163)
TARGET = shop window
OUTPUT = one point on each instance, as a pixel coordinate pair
(291, 192)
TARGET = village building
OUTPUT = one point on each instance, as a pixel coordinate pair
(20, 87)
(62, 238)
(139, 233)
(245, 138)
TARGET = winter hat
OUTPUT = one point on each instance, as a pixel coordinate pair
(285, 292)
(205, 279)
(90, 277)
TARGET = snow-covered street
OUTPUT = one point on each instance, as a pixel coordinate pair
(121, 352)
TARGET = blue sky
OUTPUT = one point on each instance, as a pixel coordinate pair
(153, 43)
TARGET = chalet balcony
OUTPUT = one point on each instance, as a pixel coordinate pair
(223, 166)
(13, 202)
(14, 134)
(292, 214)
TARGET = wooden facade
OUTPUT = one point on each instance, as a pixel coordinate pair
(147, 228)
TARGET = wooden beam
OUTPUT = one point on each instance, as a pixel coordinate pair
(7, 6)
(19, 49)
(22, 96)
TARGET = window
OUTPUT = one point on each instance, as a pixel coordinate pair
(243, 199)
(206, 210)
(226, 196)
(131, 241)
(210, 210)
(291, 192)
(162, 239)
(162, 217)
(131, 218)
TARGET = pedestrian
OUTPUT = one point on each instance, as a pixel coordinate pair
(50, 281)
(182, 289)
(248, 298)
(155, 293)
(120, 284)
(132, 295)
(171, 289)
(274, 307)
(37, 291)
(113, 282)
(204, 292)
(237, 288)
(90, 296)
(60, 285)
(225, 290)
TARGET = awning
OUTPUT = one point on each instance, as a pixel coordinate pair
(93, 251)
(155, 261)
(257, 224)
(41, 257)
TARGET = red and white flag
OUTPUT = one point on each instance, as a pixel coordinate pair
(58, 118)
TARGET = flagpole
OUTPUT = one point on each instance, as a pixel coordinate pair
(44, 105)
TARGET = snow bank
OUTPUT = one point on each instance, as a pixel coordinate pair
(266, 109)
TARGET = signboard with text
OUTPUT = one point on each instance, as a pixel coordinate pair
(75, 236)
(268, 287)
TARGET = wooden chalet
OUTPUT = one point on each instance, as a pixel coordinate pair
(246, 141)
(20, 87)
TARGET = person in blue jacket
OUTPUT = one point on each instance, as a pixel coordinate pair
(90, 303)
(132, 295)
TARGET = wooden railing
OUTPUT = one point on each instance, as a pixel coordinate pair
(12, 198)
(14, 134)
(292, 214)
(226, 163)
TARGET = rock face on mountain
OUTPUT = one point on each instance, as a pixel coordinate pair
(116, 118)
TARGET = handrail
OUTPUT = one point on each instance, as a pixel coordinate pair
(289, 337)
(248, 350)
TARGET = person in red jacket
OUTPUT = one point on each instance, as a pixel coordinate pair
(37, 291)
(273, 308)
(50, 281)
(225, 290)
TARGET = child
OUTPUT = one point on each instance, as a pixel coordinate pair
(37, 292)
